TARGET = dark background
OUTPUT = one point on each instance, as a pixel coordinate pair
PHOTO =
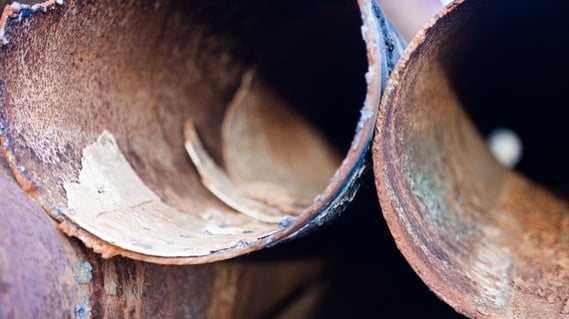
(367, 275)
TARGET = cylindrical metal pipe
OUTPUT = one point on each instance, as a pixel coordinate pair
(490, 241)
(137, 69)
(94, 95)
(45, 274)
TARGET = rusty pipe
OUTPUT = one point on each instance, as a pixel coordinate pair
(490, 241)
(114, 82)
(44, 273)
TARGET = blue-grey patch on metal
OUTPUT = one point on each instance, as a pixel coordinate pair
(82, 271)
(318, 198)
(82, 310)
(268, 239)
(241, 244)
(26, 12)
(55, 213)
(285, 222)
(365, 114)
(22, 170)
(137, 292)
(392, 46)
(6, 143)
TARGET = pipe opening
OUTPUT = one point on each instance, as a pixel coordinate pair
(511, 73)
(138, 73)
(490, 241)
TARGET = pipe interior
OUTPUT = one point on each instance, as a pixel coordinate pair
(490, 241)
(511, 73)
(139, 70)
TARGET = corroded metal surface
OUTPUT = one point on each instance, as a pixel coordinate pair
(384, 46)
(139, 69)
(486, 240)
(44, 274)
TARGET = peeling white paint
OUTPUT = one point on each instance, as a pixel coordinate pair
(111, 201)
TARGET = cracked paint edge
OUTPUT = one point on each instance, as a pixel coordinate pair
(19, 11)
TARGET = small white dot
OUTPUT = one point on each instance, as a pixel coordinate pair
(506, 146)
(445, 2)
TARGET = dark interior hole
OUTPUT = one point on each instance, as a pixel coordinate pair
(311, 52)
(318, 64)
(513, 72)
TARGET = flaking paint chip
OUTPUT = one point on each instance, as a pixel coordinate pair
(128, 214)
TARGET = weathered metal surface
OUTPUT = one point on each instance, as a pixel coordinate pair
(384, 46)
(487, 240)
(139, 69)
(45, 274)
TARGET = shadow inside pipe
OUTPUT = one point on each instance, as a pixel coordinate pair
(311, 52)
(511, 71)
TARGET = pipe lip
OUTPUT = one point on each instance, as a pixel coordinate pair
(385, 176)
(383, 46)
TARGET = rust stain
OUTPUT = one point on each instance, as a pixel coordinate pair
(225, 290)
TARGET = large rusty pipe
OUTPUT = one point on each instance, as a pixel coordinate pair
(490, 241)
(136, 69)
(88, 84)
(45, 274)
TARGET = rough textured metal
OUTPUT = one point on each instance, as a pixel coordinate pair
(384, 48)
(487, 240)
(140, 69)
(44, 274)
